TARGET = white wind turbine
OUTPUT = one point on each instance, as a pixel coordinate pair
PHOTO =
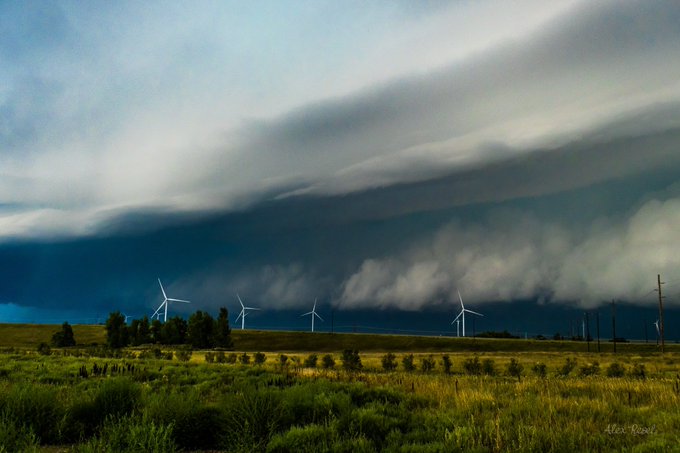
(658, 333)
(313, 314)
(457, 321)
(462, 313)
(244, 312)
(164, 305)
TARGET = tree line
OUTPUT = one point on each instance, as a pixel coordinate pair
(201, 331)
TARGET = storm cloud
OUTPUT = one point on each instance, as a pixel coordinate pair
(376, 156)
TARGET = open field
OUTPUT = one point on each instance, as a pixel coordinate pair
(164, 399)
(97, 404)
(30, 335)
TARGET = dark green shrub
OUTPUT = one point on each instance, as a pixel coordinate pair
(15, 436)
(37, 409)
(568, 367)
(244, 359)
(407, 362)
(311, 360)
(590, 369)
(231, 358)
(427, 364)
(309, 438)
(259, 358)
(351, 360)
(283, 360)
(44, 349)
(446, 364)
(251, 419)
(472, 366)
(209, 357)
(131, 435)
(616, 370)
(220, 357)
(327, 362)
(540, 369)
(183, 355)
(116, 397)
(389, 362)
(489, 367)
(195, 426)
(638, 371)
(515, 369)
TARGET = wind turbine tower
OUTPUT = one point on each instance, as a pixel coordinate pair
(244, 312)
(164, 305)
(462, 312)
(313, 314)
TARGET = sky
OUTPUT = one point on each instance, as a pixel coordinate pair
(378, 156)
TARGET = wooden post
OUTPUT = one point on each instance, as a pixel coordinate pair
(659, 282)
(614, 324)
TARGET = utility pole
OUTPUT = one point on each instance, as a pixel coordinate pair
(659, 282)
(598, 331)
(587, 330)
(614, 324)
(332, 321)
(646, 337)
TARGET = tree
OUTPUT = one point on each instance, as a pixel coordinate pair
(389, 362)
(174, 331)
(351, 360)
(156, 331)
(116, 330)
(64, 337)
(200, 330)
(143, 331)
(222, 331)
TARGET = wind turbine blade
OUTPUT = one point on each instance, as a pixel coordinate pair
(239, 300)
(163, 290)
(239, 316)
(459, 315)
(314, 309)
(179, 300)
(319, 317)
(251, 308)
(461, 300)
(308, 313)
(473, 312)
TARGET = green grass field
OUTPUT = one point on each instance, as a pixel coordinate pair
(440, 395)
(30, 335)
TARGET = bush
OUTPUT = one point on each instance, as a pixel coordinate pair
(209, 357)
(259, 358)
(283, 360)
(327, 362)
(15, 436)
(638, 371)
(616, 370)
(389, 362)
(37, 409)
(427, 364)
(407, 362)
(44, 349)
(446, 364)
(568, 367)
(308, 438)
(116, 397)
(194, 425)
(515, 369)
(311, 360)
(244, 359)
(251, 420)
(220, 357)
(489, 367)
(131, 435)
(183, 355)
(351, 360)
(231, 358)
(590, 369)
(473, 366)
(64, 337)
(540, 369)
